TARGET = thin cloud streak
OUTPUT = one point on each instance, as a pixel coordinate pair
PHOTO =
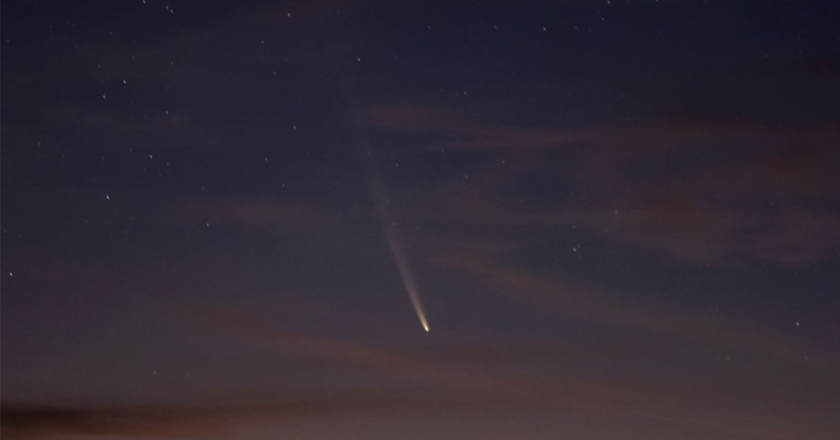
(592, 306)
(436, 384)
(757, 200)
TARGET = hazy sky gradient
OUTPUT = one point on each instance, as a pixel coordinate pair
(622, 218)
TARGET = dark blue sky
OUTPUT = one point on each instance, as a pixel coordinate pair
(621, 219)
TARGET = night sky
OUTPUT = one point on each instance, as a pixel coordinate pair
(231, 219)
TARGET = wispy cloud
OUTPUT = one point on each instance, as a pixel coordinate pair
(435, 382)
(705, 190)
(588, 304)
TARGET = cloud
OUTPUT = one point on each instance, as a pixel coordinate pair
(36, 422)
(433, 383)
(703, 189)
(589, 304)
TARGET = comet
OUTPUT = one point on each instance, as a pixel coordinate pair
(392, 234)
(406, 274)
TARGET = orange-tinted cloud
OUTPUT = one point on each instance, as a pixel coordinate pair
(724, 189)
